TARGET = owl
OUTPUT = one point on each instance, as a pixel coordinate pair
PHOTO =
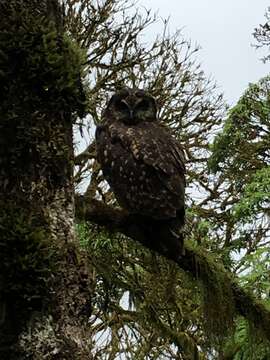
(142, 162)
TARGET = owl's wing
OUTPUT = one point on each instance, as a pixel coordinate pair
(149, 143)
(100, 137)
(156, 147)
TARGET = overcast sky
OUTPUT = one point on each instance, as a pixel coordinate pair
(224, 30)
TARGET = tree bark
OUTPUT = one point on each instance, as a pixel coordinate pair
(44, 289)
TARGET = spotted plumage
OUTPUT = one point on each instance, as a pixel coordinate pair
(142, 162)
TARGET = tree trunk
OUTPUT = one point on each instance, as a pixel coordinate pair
(43, 288)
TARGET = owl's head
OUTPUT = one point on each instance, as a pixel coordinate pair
(131, 106)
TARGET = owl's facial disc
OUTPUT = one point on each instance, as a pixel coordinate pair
(145, 109)
(122, 110)
(132, 107)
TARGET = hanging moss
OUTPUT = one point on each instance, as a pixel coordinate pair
(219, 288)
(218, 303)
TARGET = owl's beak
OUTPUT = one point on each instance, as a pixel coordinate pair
(131, 111)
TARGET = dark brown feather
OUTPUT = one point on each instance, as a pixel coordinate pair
(144, 166)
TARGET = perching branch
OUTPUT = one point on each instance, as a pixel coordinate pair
(200, 265)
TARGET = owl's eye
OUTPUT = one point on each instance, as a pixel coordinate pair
(121, 106)
(143, 105)
(146, 109)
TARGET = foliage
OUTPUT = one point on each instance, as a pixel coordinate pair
(255, 199)
(142, 307)
(220, 204)
(39, 68)
(244, 345)
(242, 146)
(241, 153)
(241, 157)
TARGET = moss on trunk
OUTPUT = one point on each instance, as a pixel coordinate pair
(42, 276)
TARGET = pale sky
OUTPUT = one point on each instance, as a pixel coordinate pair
(223, 28)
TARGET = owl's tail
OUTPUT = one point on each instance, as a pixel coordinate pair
(168, 235)
(171, 237)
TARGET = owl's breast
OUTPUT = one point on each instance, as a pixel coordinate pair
(138, 186)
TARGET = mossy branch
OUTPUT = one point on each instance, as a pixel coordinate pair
(224, 297)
